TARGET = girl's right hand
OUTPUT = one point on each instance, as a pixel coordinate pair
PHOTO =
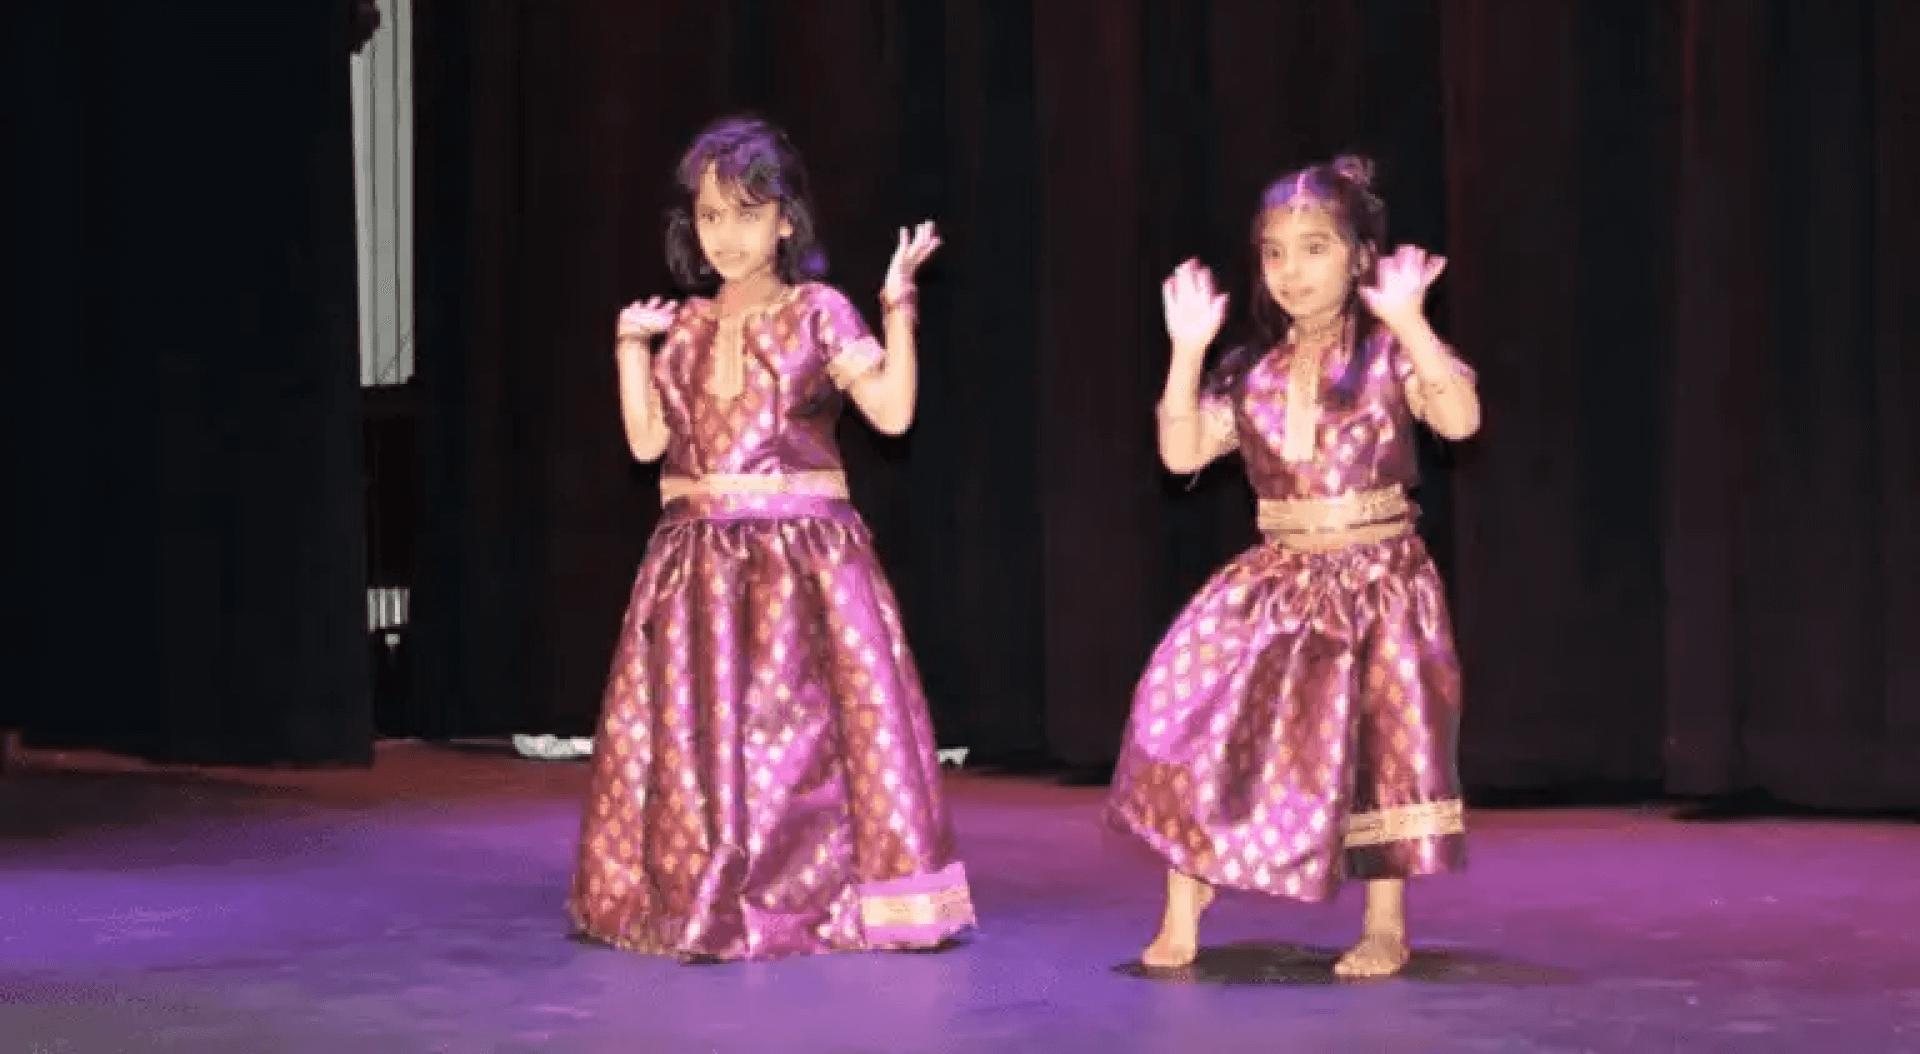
(645, 320)
(1194, 309)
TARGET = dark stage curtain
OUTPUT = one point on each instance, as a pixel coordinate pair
(1036, 545)
(1683, 550)
(1688, 543)
(185, 572)
(1795, 441)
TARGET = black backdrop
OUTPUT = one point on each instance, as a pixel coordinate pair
(1684, 550)
(184, 569)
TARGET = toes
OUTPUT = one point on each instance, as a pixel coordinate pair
(1166, 957)
(1360, 968)
(1373, 957)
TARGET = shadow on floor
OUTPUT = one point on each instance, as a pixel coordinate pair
(1270, 963)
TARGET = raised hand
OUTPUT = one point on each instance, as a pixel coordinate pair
(912, 251)
(1399, 290)
(644, 320)
(1194, 309)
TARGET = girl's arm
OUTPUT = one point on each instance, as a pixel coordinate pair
(886, 395)
(1440, 389)
(640, 412)
(640, 401)
(1194, 430)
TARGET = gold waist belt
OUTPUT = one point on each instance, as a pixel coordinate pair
(797, 484)
(1354, 509)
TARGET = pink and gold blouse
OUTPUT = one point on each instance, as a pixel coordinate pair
(1328, 450)
(759, 392)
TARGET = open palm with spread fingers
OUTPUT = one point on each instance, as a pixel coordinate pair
(1195, 309)
(647, 319)
(1399, 290)
(914, 248)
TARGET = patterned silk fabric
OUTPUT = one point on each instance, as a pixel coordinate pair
(764, 781)
(1297, 725)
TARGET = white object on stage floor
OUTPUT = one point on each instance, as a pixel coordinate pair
(560, 748)
(553, 748)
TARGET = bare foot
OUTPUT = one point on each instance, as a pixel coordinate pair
(1380, 954)
(1179, 938)
(1382, 950)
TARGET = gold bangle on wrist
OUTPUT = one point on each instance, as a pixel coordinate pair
(895, 300)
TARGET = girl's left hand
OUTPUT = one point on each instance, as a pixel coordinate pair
(1399, 289)
(913, 250)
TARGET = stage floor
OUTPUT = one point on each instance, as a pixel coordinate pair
(416, 908)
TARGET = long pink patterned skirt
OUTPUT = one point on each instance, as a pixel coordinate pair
(1297, 726)
(764, 779)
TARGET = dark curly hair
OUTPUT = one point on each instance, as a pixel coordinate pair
(753, 159)
(1345, 184)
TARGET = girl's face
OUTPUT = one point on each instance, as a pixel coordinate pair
(740, 239)
(1306, 263)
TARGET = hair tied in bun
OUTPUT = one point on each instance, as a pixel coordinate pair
(1355, 169)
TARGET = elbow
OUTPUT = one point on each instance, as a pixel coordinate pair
(1180, 466)
(648, 449)
(893, 424)
(1460, 427)
(891, 417)
(1184, 451)
(1453, 419)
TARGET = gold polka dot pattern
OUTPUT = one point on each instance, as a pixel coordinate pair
(764, 781)
(1298, 725)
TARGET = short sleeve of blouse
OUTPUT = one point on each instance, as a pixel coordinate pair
(1220, 430)
(1402, 363)
(849, 347)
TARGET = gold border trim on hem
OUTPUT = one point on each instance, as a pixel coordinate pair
(948, 907)
(1404, 823)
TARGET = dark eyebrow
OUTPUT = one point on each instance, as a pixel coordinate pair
(735, 205)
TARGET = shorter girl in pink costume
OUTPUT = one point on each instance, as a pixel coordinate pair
(1297, 725)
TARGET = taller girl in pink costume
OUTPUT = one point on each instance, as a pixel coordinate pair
(1297, 726)
(764, 780)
